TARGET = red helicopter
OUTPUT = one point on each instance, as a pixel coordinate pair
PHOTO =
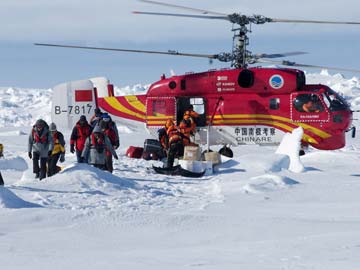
(238, 105)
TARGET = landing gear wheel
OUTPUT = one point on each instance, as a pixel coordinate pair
(226, 151)
(301, 152)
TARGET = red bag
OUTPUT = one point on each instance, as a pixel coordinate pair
(134, 152)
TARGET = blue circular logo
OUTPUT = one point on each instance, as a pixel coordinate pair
(276, 81)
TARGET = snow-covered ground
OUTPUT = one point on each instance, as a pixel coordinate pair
(252, 213)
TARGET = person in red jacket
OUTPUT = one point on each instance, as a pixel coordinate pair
(109, 129)
(80, 132)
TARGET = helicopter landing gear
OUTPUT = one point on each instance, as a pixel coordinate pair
(204, 152)
(303, 147)
(226, 151)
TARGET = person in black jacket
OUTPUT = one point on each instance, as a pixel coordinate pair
(58, 151)
(40, 147)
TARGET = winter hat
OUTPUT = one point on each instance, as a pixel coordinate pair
(40, 123)
(105, 117)
(83, 118)
(169, 123)
(103, 124)
(97, 129)
(52, 127)
(97, 112)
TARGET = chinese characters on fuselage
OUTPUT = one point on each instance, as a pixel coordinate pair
(255, 134)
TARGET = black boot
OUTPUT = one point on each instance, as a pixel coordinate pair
(1, 180)
(42, 176)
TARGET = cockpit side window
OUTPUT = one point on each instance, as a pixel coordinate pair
(274, 103)
(335, 102)
(308, 103)
(159, 107)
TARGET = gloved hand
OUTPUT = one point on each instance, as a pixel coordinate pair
(116, 157)
(30, 155)
(62, 157)
(72, 148)
(50, 153)
(117, 144)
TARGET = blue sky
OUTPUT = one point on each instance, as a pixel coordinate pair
(110, 23)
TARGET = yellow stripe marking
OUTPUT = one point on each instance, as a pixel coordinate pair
(160, 116)
(136, 103)
(115, 104)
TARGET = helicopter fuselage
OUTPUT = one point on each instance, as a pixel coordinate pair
(240, 106)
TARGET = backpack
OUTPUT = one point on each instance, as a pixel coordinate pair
(98, 142)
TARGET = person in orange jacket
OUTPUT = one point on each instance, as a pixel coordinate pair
(190, 111)
(163, 136)
(187, 128)
(175, 143)
(188, 124)
(310, 106)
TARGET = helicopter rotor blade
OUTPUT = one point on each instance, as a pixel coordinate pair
(169, 52)
(183, 15)
(310, 21)
(242, 19)
(293, 64)
(202, 11)
(277, 55)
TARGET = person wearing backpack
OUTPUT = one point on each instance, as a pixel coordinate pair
(79, 134)
(107, 127)
(40, 147)
(110, 124)
(95, 148)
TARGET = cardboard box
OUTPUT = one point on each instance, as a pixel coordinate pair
(192, 153)
(214, 157)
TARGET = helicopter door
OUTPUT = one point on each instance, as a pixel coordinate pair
(198, 103)
(158, 110)
(308, 107)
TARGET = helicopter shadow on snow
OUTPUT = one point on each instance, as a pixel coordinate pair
(176, 182)
(227, 167)
(311, 169)
(174, 179)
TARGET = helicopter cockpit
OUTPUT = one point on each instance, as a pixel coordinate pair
(308, 103)
(315, 102)
(334, 101)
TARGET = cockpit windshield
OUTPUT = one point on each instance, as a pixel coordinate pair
(334, 101)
